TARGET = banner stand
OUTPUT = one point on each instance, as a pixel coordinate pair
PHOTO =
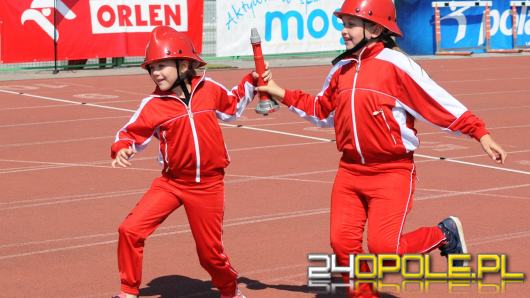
(55, 70)
(438, 30)
(488, 35)
(487, 24)
(514, 5)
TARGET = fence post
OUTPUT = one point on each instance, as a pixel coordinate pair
(55, 70)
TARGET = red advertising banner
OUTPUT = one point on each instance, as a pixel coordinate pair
(90, 28)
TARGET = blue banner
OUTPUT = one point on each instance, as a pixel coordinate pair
(461, 27)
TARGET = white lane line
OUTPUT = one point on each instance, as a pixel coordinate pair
(484, 80)
(501, 108)
(79, 198)
(67, 101)
(275, 132)
(71, 165)
(56, 142)
(496, 195)
(474, 164)
(496, 238)
(61, 121)
(489, 128)
(274, 146)
(460, 193)
(129, 92)
(68, 197)
(276, 178)
(251, 178)
(170, 228)
(62, 105)
(228, 223)
(278, 123)
(476, 155)
(259, 219)
(242, 178)
(104, 163)
(493, 92)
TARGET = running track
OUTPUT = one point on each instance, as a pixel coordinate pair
(61, 202)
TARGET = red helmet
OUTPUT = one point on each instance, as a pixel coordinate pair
(168, 43)
(382, 12)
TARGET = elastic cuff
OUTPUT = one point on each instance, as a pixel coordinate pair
(479, 133)
(116, 147)
(130, 290)
(229, 289)
(288, 98)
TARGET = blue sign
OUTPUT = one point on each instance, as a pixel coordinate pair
(461, 27)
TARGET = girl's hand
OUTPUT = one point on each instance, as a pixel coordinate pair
(267, 75)
(277, 92)
(122, 158)
(272, 88)
(493, 149)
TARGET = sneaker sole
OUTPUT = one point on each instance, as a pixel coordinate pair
(460, 235)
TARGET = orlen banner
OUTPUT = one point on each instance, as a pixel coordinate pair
(462, 27)
(90, 28)
(285, 26)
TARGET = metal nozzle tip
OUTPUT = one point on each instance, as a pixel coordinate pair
(254, 35)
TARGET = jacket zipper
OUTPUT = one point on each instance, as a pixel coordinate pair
(196, 143)
(195, 138)
(357, 145)
(386, 123)
(193, 132)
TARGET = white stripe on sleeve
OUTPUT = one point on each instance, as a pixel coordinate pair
(412, 69)
(134, 117)
(242, 103)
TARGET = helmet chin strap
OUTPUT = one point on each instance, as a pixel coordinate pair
(353, 50)
(181, 82)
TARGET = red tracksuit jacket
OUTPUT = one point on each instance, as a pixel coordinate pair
(372, 102)
(191, 142)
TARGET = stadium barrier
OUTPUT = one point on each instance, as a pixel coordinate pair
(466, 51)
(515, 24)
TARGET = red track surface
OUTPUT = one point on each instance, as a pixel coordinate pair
(61, 203)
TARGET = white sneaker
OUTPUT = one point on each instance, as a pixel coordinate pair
(237, 295)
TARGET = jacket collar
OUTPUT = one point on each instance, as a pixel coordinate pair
(366, 52)
(370, 51)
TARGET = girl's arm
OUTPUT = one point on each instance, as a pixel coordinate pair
(318, 109)
(425, 100)
(231, 103)
(133, 137)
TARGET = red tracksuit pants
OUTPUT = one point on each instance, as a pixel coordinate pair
(204, 204)
(382, 196)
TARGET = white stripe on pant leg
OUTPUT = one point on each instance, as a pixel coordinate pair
(432, 247)
(406, 208)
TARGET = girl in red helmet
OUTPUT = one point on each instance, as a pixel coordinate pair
(182, 114)
(372, 96)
